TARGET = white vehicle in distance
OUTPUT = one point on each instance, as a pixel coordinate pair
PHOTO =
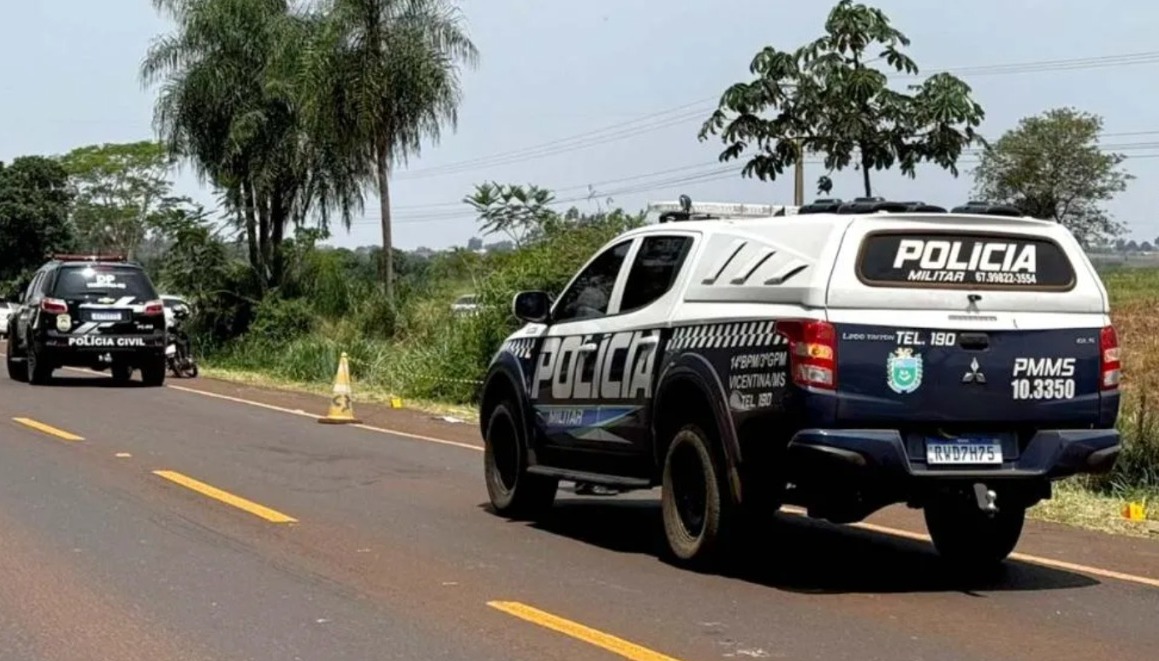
(6, 308)
(466, 304)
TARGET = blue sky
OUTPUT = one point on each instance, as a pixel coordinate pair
(551, 71)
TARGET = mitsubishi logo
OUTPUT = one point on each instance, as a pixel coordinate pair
(975, 375)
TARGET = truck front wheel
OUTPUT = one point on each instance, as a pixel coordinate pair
(514, 492)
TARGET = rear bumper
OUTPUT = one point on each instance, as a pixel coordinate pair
(878, 454)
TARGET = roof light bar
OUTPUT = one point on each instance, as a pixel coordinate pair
(725, 209)
(66, 257)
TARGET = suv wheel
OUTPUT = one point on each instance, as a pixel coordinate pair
(964, 534)
(514, 492)
(153, 372)
(17, 368)
(39, 370)
(695, 502)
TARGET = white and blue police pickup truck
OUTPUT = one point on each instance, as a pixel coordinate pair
(839, 357)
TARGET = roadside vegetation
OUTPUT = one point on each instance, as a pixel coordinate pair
(293, 112)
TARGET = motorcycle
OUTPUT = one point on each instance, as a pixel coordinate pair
(179, 351)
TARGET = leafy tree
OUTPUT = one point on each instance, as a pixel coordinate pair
(383, 78)
(1050, 166)
(121, 192)
(825, 98)
(520, 212)
(34, 215)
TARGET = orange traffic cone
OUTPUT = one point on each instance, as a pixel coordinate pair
(341, 403)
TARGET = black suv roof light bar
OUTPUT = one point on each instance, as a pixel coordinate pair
(67, 257)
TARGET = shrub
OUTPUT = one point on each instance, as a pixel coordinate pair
(278, 320)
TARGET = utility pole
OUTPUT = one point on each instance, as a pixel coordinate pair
(799, 177)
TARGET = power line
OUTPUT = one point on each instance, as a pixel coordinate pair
(720, 174)
(717, 166)
(696, 110)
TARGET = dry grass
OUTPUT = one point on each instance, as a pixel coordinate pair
(1074, 505)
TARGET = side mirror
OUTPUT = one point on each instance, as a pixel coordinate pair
(531, 306)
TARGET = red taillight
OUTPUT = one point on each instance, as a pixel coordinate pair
(154, 308)
(812, 352)
(1110, 366)
(53, 306)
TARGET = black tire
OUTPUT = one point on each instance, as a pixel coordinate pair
(153, 372)
(971, 539)
(17, 369)
(39, 370)
(697, 508)
(514, 493)
(122, 373)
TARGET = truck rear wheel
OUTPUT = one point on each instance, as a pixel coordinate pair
(17, 368)
(513, 492)
(695, 501)
(39, 369)
(965, 535)
(153, 372)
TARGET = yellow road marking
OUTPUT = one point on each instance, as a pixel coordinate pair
(578, 631)
(48, 429)
(204, 489)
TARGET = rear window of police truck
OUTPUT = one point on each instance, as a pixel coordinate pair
(964, 260)
(92, 282)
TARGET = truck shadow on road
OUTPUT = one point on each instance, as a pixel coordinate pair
(803, 555)
(95, 381)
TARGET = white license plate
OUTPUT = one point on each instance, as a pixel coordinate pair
(105, 316)
(963, 453)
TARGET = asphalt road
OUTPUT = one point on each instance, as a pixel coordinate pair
(167, 524)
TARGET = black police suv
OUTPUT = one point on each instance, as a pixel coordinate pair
(97, 312)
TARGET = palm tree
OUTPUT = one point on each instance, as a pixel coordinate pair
(228, 105)
(382, 79)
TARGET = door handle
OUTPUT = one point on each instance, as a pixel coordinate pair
(974, 341)
(588, 348)
(651, 339)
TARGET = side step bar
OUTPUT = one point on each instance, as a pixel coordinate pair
(592, 478)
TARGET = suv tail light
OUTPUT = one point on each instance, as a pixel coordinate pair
(53, 306)
(812, 352)
(154, 308)
(1110, 367)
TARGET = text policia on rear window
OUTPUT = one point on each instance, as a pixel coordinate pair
(116, 281)
(963, 260)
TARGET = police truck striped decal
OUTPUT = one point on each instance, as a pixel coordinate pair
(722, 336)
(520, 347)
